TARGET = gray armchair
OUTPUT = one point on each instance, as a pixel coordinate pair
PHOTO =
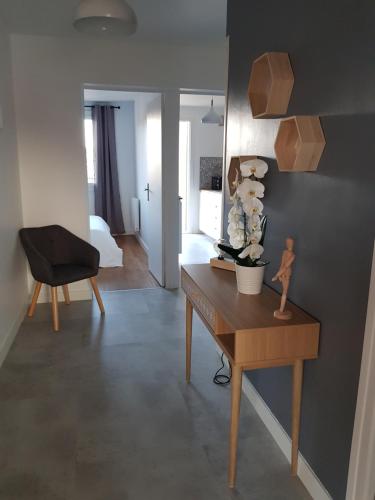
(58, 257)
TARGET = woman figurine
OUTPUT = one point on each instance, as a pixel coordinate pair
(283, 275)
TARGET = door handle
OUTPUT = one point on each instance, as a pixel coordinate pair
(148, 191)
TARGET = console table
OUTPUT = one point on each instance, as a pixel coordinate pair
(246, 331)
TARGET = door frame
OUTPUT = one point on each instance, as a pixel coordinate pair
(170, 156)
(361, 478)
(168, 271)
(185, 197)
(209, 93)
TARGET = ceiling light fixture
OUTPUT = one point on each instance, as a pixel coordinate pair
(212, 117)
(105, 17)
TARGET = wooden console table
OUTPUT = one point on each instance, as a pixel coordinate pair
(244, 328)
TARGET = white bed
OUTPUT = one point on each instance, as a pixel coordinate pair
(101, 238)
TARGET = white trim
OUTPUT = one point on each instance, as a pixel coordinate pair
(361, 478)
(74, 294)
(10, 336)
(170, 201)
(305, 472)
(308, 477)
(142, 243)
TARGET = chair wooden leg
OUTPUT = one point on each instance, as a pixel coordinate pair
(34, 300)
(97, 294)
(55, 309)
(66, 294)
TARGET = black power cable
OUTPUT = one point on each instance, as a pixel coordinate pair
(221, 378)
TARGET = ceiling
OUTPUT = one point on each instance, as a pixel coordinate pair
(203, 101)
(176, 21)
(119, 95)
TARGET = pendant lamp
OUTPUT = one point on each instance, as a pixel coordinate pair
(212, 117)
(105, 17)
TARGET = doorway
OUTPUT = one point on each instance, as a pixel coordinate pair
(361, 479)
(127, 261)
(200, 175)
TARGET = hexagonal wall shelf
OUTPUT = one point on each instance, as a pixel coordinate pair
(234, 167)
(271, 83)
(299, 144)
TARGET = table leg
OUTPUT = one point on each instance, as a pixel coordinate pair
(189, 323)
(296, 412)
(236, 383)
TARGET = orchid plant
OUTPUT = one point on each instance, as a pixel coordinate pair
(247, 224)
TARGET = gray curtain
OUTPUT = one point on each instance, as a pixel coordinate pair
(107, 192)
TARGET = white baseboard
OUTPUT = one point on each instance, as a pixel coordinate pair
(79, 290)
(74, 294)
(10, 336)
(305, 472)
(308, 477)
(142, 243)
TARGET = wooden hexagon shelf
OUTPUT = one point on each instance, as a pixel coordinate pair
(299, 144)
(271, 83)
(234, 167)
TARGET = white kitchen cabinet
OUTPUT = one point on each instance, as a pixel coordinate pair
(210, 213)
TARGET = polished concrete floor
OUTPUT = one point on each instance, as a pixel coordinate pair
(196, 249)
(101, 411)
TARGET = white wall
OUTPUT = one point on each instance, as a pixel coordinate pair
(13, 290)
(206, 140)
(49, 75)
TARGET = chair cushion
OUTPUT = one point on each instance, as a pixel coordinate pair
(53, 250)
(64, 274)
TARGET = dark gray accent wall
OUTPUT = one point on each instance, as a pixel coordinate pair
(330, 213)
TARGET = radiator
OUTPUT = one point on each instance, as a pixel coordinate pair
(135, 214)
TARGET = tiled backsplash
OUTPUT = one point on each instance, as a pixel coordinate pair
(210, 166)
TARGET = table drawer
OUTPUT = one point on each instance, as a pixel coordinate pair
(203, 306)
(284, 342)
(198, 300)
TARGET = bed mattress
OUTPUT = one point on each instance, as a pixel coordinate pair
(100, 236)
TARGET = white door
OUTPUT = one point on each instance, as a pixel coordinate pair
(361, 478)
(153, 189)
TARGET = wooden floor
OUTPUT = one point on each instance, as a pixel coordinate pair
(134, 274)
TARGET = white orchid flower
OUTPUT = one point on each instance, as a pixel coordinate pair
(253, 223)
(234, 198)
(254, 251)
(235, 210)
(235, 219)
(255, 167)
(255, 237)
(235, 214)
(250, 189)
(237, 240)
(253, 206)
(233, 227)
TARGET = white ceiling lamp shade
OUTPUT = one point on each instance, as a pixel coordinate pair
(105, 17)
(212, 117)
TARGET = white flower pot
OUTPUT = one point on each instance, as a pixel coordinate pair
(249, 279)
